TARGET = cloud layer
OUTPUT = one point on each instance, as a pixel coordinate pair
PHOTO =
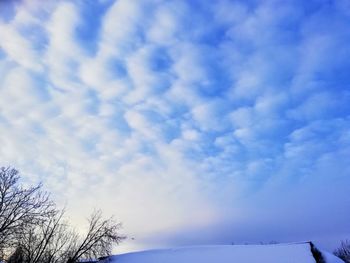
(192, 122)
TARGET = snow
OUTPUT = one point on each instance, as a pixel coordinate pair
(330, 258)
(276, 253)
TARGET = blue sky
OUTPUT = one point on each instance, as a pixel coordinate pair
(194, 122)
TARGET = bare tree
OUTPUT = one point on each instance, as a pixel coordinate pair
(343, 251)
(48, 241)
(52, 241)
(19, 207)
(34, 230)
(101, 236)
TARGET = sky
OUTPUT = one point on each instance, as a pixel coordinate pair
(193, 122)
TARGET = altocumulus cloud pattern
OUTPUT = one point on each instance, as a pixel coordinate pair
(192, 121)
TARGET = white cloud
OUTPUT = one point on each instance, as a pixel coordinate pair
(167, 24)
(18, 48)
(182, 117)
(19, 95)
(145, 81)
(207, 116)
(243, 117)
(119, 28)
(314, 107)
(63, 53)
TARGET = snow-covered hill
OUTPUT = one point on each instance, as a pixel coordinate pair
(279, 253)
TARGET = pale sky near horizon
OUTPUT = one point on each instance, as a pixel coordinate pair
(193, 122)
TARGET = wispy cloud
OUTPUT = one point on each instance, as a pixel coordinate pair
(182, 115)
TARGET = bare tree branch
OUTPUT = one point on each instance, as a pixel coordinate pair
(19, 207)
(101, 236)
(34, 231)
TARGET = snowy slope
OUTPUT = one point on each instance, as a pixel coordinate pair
(330, 258)
(280, 253)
